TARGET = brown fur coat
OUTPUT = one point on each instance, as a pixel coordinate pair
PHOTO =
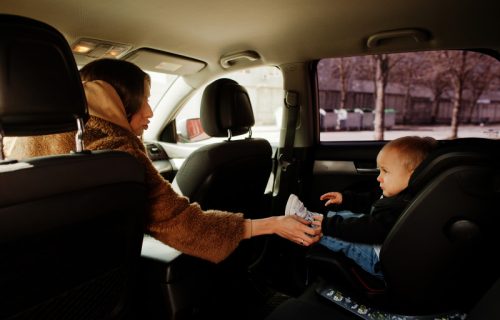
(211, 235)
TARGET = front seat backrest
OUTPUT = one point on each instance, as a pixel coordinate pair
(70, 225)
(229, 175)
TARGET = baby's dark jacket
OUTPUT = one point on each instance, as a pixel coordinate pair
(371, 228)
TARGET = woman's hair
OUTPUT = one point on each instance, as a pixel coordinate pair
(412, 149)
(125, 77)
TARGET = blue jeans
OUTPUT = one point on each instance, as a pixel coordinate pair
(363, 254)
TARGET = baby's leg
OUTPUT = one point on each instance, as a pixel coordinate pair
(363, 254)
(344, 214)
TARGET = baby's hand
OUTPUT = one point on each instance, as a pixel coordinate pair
(332, 197)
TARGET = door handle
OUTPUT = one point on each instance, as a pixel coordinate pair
(367, 170)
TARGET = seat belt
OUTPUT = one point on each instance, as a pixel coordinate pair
(292, 104)
(286, 160)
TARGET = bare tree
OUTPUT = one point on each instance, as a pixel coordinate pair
(341, 62)
(382, 67)
(343, 69)
(479, 77)
(439, 83)
(436, 77)
(381, 76)
(456, 64)
(409, 71)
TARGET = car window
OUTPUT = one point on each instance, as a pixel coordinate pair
(443, 94)
(160, 83)
(265, 88)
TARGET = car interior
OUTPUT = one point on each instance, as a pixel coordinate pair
(252, 102)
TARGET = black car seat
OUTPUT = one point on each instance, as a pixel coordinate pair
(70, 225)
(439, 255)
(230, 175)
(311, 305)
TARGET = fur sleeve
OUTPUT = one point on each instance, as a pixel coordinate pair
(211, 235)
(35, 146)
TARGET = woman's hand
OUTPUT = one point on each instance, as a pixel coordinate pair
(332, 197)
(298, 230)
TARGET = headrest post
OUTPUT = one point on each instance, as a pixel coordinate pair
(229, 135)
(249, 133)
(2, 156)
(79, 135)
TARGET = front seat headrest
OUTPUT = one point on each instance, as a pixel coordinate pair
(40, 88)
(225, 105)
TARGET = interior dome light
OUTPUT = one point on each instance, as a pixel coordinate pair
(96, 49)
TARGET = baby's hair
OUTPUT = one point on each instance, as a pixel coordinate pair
(412, 149)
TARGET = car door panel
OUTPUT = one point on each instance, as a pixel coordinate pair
(162, 160)
(338, 167)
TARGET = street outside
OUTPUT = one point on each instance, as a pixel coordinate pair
(271, 133)
(437, 132)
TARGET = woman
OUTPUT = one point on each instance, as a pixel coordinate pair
(117, 94)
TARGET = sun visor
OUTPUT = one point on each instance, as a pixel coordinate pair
(159, 61)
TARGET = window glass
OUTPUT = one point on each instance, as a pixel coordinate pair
(443, 94)
(265, 88)
(160, 83)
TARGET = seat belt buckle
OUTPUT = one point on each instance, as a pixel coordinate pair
(284, 163)
(291, 99)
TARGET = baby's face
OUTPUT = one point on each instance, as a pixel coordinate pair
(394, 176)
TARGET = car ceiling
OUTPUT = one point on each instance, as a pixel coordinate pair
(281, 31)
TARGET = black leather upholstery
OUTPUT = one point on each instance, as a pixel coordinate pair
(230, 175)
(70, 225)
(225, 105)
(35, 55)
(438, 256)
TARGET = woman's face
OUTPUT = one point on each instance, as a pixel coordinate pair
(140, 120)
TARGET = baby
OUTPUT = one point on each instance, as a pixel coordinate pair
(359, 235)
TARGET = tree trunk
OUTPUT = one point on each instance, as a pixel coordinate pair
(456, 111)
(457, 101)
(381, 73)
(407, 104)
(435, 110)
(472, 107)
(343, 84)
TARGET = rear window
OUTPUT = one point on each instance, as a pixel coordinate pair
(443, 94)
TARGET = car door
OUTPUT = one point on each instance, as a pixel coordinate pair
(335, 143)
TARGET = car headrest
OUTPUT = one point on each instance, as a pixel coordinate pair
(225, 105)
(452, 153)
(40, 88)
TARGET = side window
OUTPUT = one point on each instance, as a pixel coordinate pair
(265, 88)
(159, 81)
(443, 94)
